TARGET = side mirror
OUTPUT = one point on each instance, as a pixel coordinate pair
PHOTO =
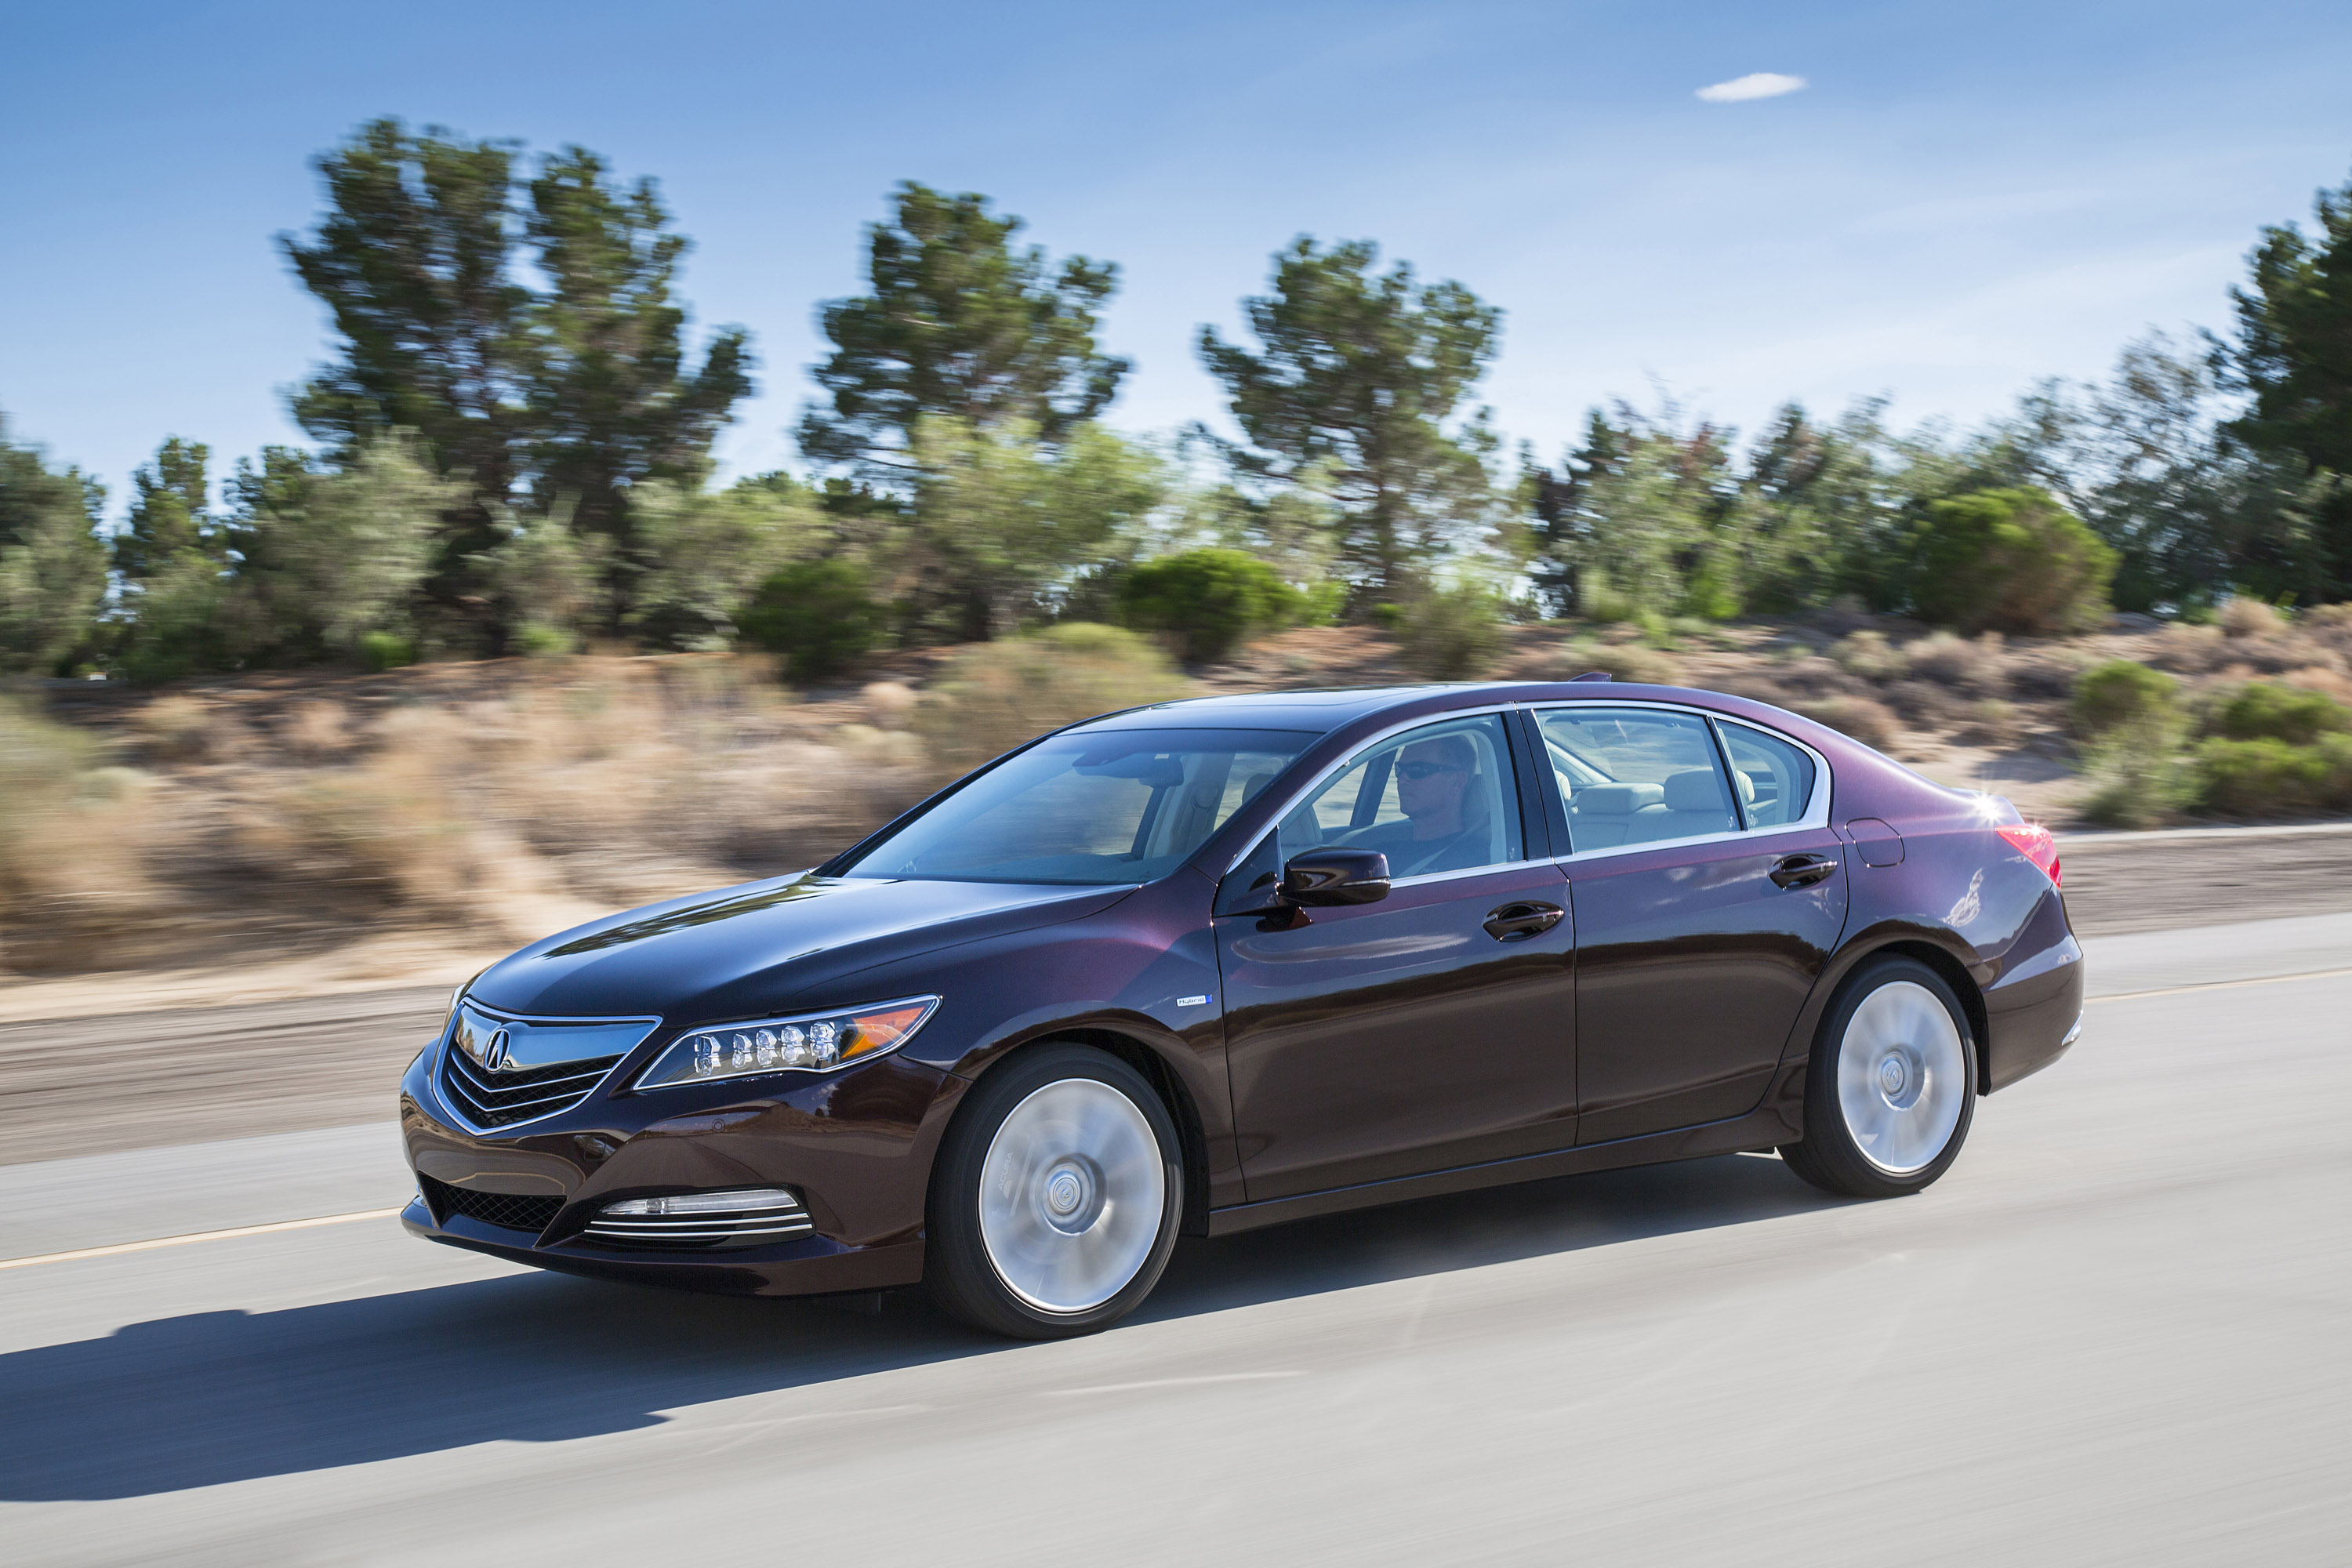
(1335, 876)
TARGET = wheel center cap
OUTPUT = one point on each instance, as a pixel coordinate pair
(1065, 1192)
(1893, 1076)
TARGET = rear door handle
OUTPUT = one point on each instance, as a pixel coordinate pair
(1518, 922)
(1802, 871)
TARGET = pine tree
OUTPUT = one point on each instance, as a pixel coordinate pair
(960, 325)
(1354, 379)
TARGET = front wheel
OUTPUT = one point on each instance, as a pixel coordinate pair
(1891, 1087)
(1057, 1195)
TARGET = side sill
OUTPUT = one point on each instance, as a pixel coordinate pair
(1767, 1126)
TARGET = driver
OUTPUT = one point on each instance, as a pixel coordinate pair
(1433, 787)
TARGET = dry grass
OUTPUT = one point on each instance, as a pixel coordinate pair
(287, 814)
(73, 837)
(997, 695)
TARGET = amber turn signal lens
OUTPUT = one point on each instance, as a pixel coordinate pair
(880, 1031)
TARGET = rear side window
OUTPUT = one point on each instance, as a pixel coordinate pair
(1775, 778)
(1633, 776)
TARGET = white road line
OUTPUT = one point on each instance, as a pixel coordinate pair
(2223, 985)
(1167, 1382)
(193, 1237)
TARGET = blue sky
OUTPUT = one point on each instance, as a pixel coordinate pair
(1962, 199)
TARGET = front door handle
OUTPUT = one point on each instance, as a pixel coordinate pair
(1518, 922)
(1802, 871)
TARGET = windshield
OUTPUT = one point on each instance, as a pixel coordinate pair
(1116, 806)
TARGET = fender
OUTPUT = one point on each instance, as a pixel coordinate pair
(1946, 950)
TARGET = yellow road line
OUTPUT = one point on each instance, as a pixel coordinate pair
(2225, 984)
(194, 1237)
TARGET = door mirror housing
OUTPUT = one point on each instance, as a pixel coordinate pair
(1327, 877)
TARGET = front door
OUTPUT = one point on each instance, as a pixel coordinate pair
(1707, 899)
(1432, 1029)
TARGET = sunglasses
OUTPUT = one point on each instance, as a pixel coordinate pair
(1418, 771)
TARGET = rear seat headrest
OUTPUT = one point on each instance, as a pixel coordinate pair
(1694, 789)
(1618, 799)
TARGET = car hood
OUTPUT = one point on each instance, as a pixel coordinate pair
(761, 948)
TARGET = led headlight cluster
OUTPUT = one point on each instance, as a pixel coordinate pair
(816, 1042)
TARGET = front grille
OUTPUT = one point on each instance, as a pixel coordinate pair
(489, 1098)
(508, 1211)
(770, 1221)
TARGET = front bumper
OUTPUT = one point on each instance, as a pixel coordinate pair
(856, 1144)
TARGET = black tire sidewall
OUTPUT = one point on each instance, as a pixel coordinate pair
(1829, 1156)
(957, 1267)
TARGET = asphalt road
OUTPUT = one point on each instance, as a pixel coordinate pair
(2117, 1333)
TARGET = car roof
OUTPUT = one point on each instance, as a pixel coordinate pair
(1313, 712)
(1322, 712)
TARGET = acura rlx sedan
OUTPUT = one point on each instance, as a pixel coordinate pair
(1208, 966)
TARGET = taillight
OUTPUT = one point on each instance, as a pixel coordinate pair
(2033, 841)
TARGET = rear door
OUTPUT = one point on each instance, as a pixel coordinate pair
(1708, 891)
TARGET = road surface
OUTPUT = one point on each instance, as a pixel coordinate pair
(2119, 1331)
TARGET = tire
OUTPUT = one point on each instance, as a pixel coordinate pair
(1055, 1198)
(1892, 1084)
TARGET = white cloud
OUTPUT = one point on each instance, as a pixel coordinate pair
(1755, 84)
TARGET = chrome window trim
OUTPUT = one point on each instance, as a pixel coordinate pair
(448, 1043)
(1817, 807)
(1298, 795)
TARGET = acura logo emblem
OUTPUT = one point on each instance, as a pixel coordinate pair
(495, 1055)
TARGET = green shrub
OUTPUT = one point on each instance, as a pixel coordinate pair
(2010, 560)
(997, 695)
(820, 614)
(2119, 693)
(386, 650)
(1453, 634)
(2141, 776)
(1208, 602)
(2266, 711)
(2270, 777)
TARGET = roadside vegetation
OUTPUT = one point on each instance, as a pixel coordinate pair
(499, 637)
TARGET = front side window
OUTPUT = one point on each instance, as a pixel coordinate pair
(1088, 808)
(1439, 798)
(1635, 775)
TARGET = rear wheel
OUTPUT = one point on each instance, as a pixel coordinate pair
(1891, 1087)
(1057, 1195)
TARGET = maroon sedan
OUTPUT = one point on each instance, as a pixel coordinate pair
(1209, 966)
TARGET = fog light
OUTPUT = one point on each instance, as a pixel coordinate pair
(742, 1200)
(813, 1042)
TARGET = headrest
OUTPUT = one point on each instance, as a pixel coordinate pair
(1694, 789)
(1746, 786)
(1618, 799)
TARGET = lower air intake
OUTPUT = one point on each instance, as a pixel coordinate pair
(508, 1211)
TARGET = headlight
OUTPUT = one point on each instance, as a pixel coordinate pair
(812, 1042)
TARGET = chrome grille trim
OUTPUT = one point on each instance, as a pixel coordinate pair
(480, 1099)
(484, 1105)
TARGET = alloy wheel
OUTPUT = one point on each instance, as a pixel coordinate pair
(1902, 1077)
(1072, 1195)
